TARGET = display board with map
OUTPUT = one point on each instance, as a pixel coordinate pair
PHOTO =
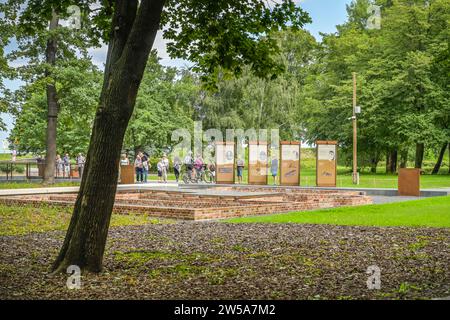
(290, 163)
(225, 162)
(326, 163)
(258, 167)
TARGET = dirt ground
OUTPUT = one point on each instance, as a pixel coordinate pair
(211, 260)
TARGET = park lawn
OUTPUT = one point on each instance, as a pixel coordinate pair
(22, 220)
(367, 180)
(430, 212)
(27, 185)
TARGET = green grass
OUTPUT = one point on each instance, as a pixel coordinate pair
(380, 180)
(27, 185)
(15, 220)
(430, 212)
(367, 180)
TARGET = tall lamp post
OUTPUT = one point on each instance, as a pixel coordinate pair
(356, 110)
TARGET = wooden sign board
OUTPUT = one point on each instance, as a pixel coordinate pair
(409, 182)
(290, 163)
(225, 162)
(258, 167)
(127, 173)
(326, 163)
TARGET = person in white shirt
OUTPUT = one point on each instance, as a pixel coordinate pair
(165, 167)
(81, 160)
(124, 161)
(189, 163)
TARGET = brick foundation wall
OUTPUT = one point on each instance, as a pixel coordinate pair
(189, 206)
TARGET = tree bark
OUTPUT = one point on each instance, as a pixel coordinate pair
(52, 107)
(404, 158)
(388, 161)
(393, 162)
(374, 163)
(437, 167)
(420, 148)
(133, 33)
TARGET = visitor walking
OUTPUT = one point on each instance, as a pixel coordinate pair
(177, 168)
(212, 169)
(145, 166)
(274, 169)
(81, 160)
(240, 169)
(198, 165)
(165, 167)
(59, 166)
(189, 163)
(139, 168)
(66, 161)
(159, 167)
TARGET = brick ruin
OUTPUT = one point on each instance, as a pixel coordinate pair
(212, 203)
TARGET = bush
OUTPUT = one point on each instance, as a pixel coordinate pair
(7, 168)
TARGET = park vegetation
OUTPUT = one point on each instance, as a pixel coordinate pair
(253, 67)
(402, 73)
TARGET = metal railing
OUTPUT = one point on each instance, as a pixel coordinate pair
(27, 169)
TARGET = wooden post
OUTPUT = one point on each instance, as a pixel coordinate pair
(355, 141)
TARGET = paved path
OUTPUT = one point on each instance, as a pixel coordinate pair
(379, 196)
(389, 199)
(150, 185)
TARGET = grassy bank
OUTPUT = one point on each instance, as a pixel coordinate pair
(430, 212)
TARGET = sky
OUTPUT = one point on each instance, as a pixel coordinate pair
(325, 15)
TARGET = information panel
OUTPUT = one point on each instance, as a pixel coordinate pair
(409, 182)
(258, 163)
(225, 163)
(290, 163)
(326, 163)
(127, 173)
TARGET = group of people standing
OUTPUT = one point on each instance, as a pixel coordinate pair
(63, 165)
(197, 166)
(142, 166)
(193, 167)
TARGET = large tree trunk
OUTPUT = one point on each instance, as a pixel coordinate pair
(133, 33)
(374, 159)
(52, 108)
(393, 162)
(404, 158)
(437, 167)
(420, 148)
(388, 161)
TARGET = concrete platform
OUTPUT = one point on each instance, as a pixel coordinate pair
(212, 189)
(369, 191)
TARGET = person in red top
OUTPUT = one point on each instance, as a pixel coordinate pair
(198, 165)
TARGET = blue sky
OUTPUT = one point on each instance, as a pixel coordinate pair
(326, 14)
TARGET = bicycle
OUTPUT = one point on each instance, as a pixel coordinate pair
(204, 175)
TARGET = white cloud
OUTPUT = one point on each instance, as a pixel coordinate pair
(99, 54)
